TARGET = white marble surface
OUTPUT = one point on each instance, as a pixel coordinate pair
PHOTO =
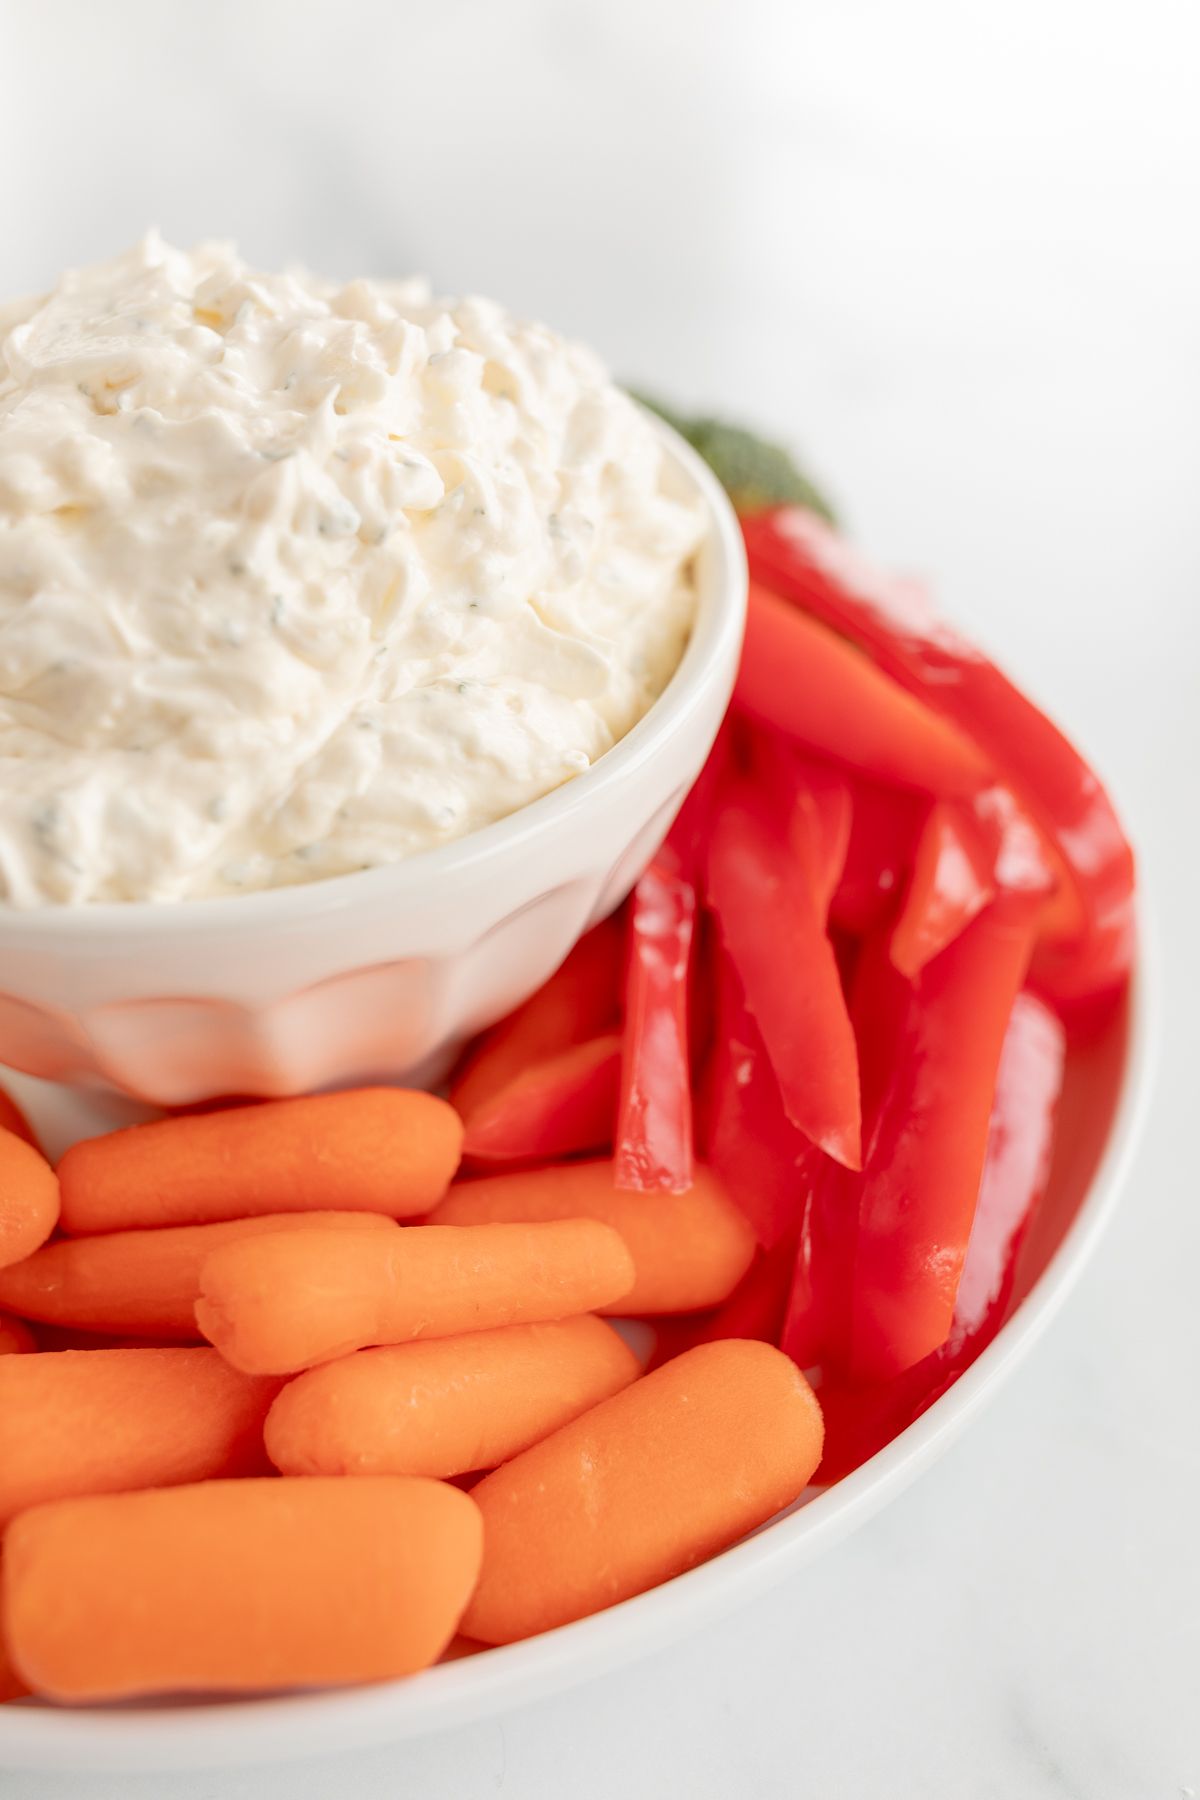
(954, 251)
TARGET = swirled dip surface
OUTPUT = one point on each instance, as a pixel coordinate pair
(297, 579)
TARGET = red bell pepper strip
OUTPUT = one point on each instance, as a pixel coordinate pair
(758, 1153)
(884, 827)
(934, 1051)
(800, 678)
(1089, 939)
(818, 1321)
(859, 1420)
(820, 831)
(553, 1108)
(951, 882)
(580, 1001)
(654, 1132)
(814, 798)
(767, 902)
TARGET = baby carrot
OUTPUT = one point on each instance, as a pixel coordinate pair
(238, 1585)
(143, 1283)
(11, 1685)
(273, 1305)
(647, 1484)
(448, 1405)
(14, 1120)
(99, 1421)
(15, 1336)
(690, 1250)
(28, 1198)
(385, 1150)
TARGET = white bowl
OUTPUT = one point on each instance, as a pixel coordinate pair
(378, 974)
(1102, 1109)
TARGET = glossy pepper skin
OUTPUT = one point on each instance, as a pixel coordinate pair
(653, 1149)
(1088, 938)
(814, 806)
(884, 827)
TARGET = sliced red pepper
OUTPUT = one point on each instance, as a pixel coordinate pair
(884, 827)
(933, 1051)
(965, 854)
(818, 1326)
(1090, 934)
(816, 801)
(558, 1107)
(951, 882)
(758, 1153)
(654, 1133)
(800, 678)
(859, 1420)
(580, 1001)
(767, 901)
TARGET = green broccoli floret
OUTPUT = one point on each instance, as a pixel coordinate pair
(754, 473)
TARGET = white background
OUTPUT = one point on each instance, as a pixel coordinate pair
(952, 251)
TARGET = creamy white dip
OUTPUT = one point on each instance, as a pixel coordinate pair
(299, 578)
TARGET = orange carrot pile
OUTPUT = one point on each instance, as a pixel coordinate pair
(445, 1406)
(237, 1585)
(273, 1305)
(142, 1554)
(384, 1150)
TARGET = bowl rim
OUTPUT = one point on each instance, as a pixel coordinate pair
(709, 655)
(278, 1729)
